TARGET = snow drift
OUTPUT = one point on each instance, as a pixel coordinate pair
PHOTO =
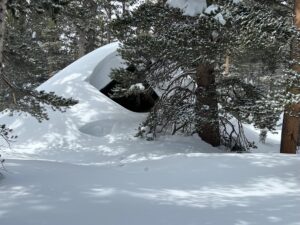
(97, 125)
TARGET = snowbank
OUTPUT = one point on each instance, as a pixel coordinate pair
(215, 189)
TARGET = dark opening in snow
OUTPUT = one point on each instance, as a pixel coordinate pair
(135, 103)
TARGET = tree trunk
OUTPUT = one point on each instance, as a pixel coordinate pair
(2, 32)
(290, 130)
(291, 120)
(207, 106)
(91, 34)
(82, 42)
(123, 7)
(2, 28)
(108, 9)
(227, 65)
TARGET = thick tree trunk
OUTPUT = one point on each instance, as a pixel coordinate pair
(290, 130)
(291, 120)
(207, 105)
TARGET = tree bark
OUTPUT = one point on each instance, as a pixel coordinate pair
(2, 28)
(109, 11)
(123, 7)
(227, 65)
(2, 33)
(207, 105)
(91, 34)
(82, 42)
(291, 120)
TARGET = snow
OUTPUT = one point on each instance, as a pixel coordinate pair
(97, 126)
(33, 36)
(178, 190)
(211, 9)
(189, 7)
(197, 7)
(85, 166)
(138, 86)
(219, 17)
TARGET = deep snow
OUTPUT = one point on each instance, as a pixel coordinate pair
(96, 130)
(84, 167)
(198, 189)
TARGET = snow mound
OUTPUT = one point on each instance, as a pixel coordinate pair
(96, 130)
(81, 80)
(105, 127)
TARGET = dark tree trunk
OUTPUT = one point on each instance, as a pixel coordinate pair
(2, 32)
(2, 27)
(207, 106)
(91, 33)
(291, 120)
(290, 130)
(123, 7)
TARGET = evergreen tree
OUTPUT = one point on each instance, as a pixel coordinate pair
(17, 94)
(43, 37)
(183, 57)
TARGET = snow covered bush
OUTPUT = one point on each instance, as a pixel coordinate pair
(6, 137)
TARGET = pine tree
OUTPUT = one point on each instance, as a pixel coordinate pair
(15, 94)
(43, 37)
(182, 57)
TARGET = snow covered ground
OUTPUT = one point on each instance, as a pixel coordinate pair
(84, 167)
(178, 190)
